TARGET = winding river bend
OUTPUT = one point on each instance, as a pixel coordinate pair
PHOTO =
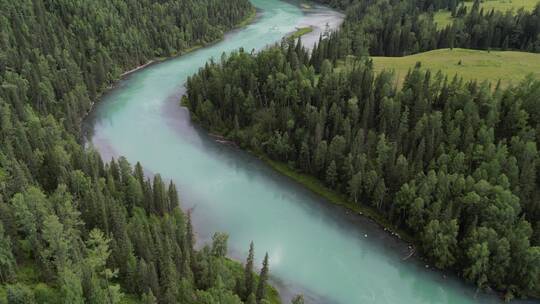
(315, 248)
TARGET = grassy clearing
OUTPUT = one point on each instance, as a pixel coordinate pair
(508, 66)
(443, 17)
(300, 32)
(505, 5)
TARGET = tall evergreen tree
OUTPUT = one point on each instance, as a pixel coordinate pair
(249, 278)
(263, 280)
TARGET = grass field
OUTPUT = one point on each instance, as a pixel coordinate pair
(300, 32)
(505, 5)
(444, 18)
(510, 67)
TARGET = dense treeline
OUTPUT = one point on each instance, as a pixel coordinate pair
(454, 163)
(423, 5)
(107, 225)
(74, 229)
(59, 55)
(399, 28)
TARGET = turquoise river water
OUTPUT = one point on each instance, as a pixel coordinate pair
(315, 248)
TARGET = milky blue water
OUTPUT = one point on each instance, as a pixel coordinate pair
(315, 248)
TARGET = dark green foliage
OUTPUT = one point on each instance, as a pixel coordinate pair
(149, 248)
(298, 300)
(421, 4)
(148, 298)
(92, 231)
(219, 244)
(251, 299)
(7, 260)
(399, 28)
(455, 164)
(263, 280)
(249, 277)
(58, 57)
(20, 294)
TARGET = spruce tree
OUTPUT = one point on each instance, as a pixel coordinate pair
(173, 197)
(331, 174)
(263, 278)
(299, 299)
(7, 260)
(148, 298)
(249, 279)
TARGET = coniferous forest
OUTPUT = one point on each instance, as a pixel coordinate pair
(399, 28)
(74, 229)
(455, 164)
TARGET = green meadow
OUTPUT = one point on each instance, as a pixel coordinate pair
(508, 66)
(444, 17)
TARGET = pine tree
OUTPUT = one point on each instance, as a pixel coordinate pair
(148, 298)
(190, 245)
(249, 279)
(7, 260)
(251, 299)
(331, 174)
(299, 299)
(71, 286)
(160, 198)
(219, 244)
(139, 173)
(263, 278)
(174, 202)
(20, 294)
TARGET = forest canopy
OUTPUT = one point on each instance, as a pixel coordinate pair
(454, 163)
(74, 229)
(399, 28)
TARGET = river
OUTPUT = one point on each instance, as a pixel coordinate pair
(315, 248)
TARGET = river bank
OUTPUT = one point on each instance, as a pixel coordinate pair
(300, 32)
(273, 295)
(315, 248)
(250, 18)
(245, 22)
(316, 186)
(336, 198)
(333, 197)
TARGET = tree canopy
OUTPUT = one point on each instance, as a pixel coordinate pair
(399, 28)
(454, 163)
(90, 231)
